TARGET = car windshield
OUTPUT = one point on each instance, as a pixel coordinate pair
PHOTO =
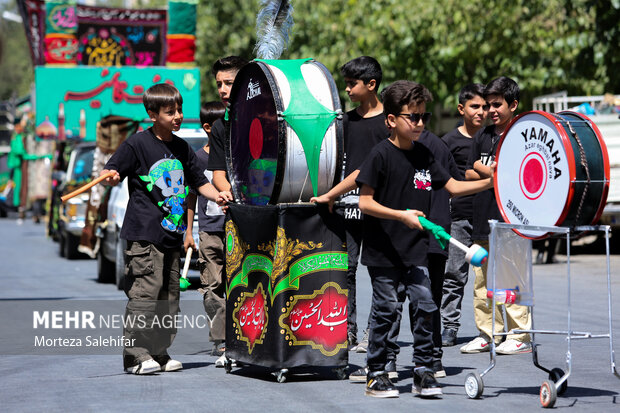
(83, 166)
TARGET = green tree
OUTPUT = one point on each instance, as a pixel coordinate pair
(15, 62)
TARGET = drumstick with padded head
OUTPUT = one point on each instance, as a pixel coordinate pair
(86, 187)
(475, 255)
(183, 281)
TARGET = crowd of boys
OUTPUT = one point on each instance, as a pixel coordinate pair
(408, 173)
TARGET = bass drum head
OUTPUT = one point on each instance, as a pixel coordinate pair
(537, 181)
(533, 174)
(267, 161)
(252, 154)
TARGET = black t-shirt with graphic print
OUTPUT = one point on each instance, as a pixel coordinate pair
(159, 176)
(401, 179)
(484, 204)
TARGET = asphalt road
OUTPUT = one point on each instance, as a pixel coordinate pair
(33, 276)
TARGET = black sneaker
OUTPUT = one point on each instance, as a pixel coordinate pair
(390, 367)
(424, 383)
(438, 369)
(448, 337)
(378, 384)
(359, 375)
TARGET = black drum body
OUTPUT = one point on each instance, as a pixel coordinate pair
(552, 170)
(285, 132)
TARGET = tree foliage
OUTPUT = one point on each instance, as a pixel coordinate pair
(545, 45)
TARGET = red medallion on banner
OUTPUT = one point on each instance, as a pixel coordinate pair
(250, 317)
(318, 320)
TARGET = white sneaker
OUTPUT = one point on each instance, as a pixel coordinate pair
(149, 366)
(512, 346)
(172, 365)
(221, 361)
(477, 345)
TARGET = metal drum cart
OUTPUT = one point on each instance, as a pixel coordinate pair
(523, 294)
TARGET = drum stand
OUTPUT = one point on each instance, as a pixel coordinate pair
(558, 379)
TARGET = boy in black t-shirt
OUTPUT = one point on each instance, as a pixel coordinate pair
(396, 181)
(473, 108)
(225, 71)
(160, 167)
(364, 127)
(211, 245)
(502, 96)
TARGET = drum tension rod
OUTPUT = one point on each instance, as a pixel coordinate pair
(584, 165)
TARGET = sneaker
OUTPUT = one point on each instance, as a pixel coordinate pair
(477, 345)
(221, 362)
(352, 339)
(149, 366)
(390, 367)
(512, 346)
(362, 346)
(438, 369)
(448, 337)
(378, 384)
(172, 365)
(359, 375)
(424, 383)
(218, 349)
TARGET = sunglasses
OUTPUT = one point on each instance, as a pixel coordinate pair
(415, 117)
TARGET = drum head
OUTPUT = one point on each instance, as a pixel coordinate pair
(253, 153)
(535, 164)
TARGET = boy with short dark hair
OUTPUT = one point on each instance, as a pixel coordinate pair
(472, 107)
(396, 182)
(225, 71)
(502, 96)
(211, 245)
(159, 166)
(364, 127)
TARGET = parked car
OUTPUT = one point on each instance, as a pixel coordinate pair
(72, 214)
(111, 255)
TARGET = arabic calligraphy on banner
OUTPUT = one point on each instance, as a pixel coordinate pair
(250, 317)
(102, 91)
(318, 319)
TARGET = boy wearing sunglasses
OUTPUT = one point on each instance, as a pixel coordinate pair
(473, 109)
(502, 96)
(396, 180)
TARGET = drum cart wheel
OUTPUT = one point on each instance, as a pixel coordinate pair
(555, 375)
(474, 385)
(228, 365)
(341, 372)
(548, 394)
(281, 375)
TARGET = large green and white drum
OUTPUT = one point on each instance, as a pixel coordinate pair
(286, 140)
(552, 170)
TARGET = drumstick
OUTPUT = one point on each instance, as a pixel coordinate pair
(86, 187)
(183, 281)
(475, 255)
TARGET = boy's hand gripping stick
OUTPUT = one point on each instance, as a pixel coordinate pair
(475, 255)
(86, 187)
(183, 281)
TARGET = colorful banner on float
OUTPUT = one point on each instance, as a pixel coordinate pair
(83, 95)
(286, 269)
(69, 33)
